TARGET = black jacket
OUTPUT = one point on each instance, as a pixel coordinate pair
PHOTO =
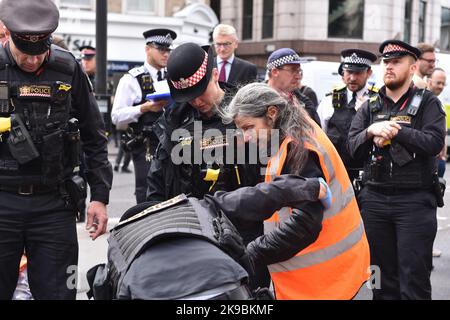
(425, 136)
(309, 105)
(166, 179)
(241, 73)
(92, 128)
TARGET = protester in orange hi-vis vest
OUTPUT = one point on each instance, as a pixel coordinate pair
(312, 252)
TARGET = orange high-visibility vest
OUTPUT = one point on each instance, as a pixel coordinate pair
(337, 263)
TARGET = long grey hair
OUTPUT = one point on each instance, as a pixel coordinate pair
(253, 101)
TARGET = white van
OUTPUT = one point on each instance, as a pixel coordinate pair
(321, 76)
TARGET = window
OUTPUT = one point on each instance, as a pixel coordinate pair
(407, 23)
(215, 6)
(76, 3)
(140, 6)
(422, 14)
(346, 19)
(247, 21)
(267, 28)
(445, 29)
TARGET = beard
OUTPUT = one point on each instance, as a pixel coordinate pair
(395, 82)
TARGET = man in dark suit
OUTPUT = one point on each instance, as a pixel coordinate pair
(232, 70)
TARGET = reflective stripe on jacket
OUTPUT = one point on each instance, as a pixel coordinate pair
(337, 263)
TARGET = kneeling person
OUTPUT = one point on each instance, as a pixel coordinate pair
(186, 248)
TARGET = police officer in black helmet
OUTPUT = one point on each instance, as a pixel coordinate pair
(46, 107)
(131, 107)
(204, 167)
(398, 134)
(192, 131)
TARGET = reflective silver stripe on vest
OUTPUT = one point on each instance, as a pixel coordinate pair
(340, 202)
(345, 196)
(320, 256)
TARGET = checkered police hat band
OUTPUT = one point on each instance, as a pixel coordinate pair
(194, 79)
(354, 59)
(396, 48)
(164, 40)
(283, 60)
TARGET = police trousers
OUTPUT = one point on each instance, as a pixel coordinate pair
(141, 168)
(401, 228)
(43, 227)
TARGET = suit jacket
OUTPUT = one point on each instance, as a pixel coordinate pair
(242, 72)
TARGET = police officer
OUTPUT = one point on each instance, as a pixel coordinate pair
(44, 94)
(336, 110)
(131, 107)
(197, 154)
(204, 259)
(181, 131)
(284, 71)
(88, 62)
(398, 134)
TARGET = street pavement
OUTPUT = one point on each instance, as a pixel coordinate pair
(122, 198)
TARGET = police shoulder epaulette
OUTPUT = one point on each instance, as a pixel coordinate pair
(373, 104)
(135, 72)
(374, 89)
(336, 89)
(340, 88)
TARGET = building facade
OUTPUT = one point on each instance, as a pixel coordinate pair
(128, 19)
(322, 28)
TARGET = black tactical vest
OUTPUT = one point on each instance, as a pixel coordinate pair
(177, 217)
(44, 104)
(209, 154)
(339, 126)
(146, 84)
(394, 165)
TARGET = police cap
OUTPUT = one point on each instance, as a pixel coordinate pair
(87, 52)
(282, 57)
(356, 60)
(161, 37)
(391, 49)
(30, 23)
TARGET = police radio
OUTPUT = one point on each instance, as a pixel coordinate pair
(5, 106)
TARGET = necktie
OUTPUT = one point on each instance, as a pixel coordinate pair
(223, 74)
(352, 102)
(160, 76)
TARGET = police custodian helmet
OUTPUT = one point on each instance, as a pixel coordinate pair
(188, 81)
(30, 23)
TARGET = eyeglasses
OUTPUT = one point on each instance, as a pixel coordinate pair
(430, 61)
(222, 44)
(161, 49)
